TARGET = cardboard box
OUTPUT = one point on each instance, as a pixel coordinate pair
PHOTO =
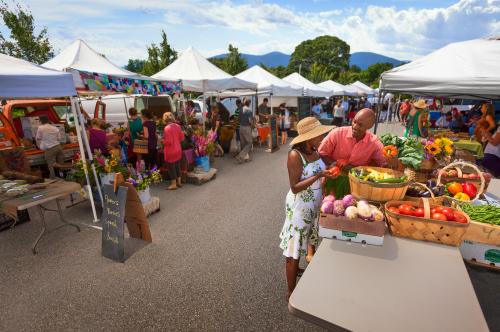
(481, 253)
(357, 230)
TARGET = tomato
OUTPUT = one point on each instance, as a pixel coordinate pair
(439, 216)
(453, 173)
(473, 176)
(448, 212)
(465, 176)
(406, 209)
(335, 171)
(433, 210)
(393, 209)
(419, 212)
(459, 217)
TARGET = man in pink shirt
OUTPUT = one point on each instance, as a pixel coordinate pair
(354, 146)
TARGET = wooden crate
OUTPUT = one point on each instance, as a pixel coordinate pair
(378, 192)
(425, 229)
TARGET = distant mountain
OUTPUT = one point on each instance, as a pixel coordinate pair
(365, 59)
(274, 59)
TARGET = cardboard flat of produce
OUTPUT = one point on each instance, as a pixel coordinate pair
(360, 226)
(486, 255)
(483, 233)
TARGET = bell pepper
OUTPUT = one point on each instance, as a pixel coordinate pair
(462, 197)
(454, 188)
(469, 189)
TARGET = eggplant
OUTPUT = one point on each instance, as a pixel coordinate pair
(431, 184)
(426, 194)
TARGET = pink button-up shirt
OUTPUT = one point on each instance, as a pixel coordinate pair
(341, 145)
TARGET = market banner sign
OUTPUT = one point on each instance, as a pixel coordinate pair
(109, 83)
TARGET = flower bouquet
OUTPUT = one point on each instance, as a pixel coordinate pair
(439, 150)
(204, 144)
(143, 180)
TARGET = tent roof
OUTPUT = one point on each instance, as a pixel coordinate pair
(338, 89)
(362, 88)
(23, 79)
(199, 74)
(467, 69)
(267, 83)
(80, 56)
(310, 89)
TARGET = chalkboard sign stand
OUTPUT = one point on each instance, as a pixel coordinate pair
(273, 134)
(113, 235)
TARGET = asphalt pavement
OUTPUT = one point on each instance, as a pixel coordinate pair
(214, 264)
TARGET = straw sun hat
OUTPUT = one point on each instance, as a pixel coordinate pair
(309, 128)
(420, 104)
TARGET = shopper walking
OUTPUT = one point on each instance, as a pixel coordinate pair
(338, 114)
(284, 117)
(172, 150)
(246, 123)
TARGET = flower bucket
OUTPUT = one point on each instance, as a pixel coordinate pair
(144, 195)
(204, 162)
(107, 178)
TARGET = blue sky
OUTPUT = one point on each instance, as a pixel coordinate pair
(404, 29)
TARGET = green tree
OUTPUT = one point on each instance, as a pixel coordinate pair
(23, 42)
(233, 63)
(159, 57)
(355, 69)
(328, 51)
(319, 73)
(278, 71)
(371, 76)
(135, 65)
(348, 77)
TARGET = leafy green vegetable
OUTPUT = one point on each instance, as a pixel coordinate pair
(339, 186)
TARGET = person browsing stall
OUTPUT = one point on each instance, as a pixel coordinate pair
(47, 139)
(305, 171)
(415, 125)
(246, 123)
(264, 111)
(354, 145)
(97, 137)
(172, 150)
(149, 134)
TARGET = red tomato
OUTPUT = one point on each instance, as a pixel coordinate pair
(439, 216)
(459, 217)
(419, 212)
(393, 209)
(448, 212)
(433, 210)
(438, 209)
(406, 209)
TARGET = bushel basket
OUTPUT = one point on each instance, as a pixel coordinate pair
(425, 229)
(378, 192)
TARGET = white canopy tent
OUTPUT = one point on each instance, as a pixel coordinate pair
(200, 75)
(338, 89)
(268, 84)
(22, 79)
(469, 69)
(362, 88)
(79, 56)
(310, 89)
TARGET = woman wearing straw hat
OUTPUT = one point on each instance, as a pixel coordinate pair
(415, 126)
(305, 169)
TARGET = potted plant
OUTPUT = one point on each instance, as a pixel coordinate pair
(143, 180)
(106, 167)
(204, 147)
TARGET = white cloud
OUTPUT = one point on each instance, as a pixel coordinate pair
(260, 27)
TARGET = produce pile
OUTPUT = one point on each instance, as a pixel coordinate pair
(350, 208)
(473, 176)
(442, 213)
(13, 188)
(488, 214)
(372, 175)
(409, 151)
(415, 190)
(461, 191)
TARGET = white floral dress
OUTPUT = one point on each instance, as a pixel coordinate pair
(302, 213)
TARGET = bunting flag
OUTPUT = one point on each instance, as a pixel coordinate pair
(109, 83)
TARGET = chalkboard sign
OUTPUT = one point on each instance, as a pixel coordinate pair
(273, 140)
(113, 237)
(304, 107)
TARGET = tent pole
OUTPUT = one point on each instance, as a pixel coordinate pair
(82, 154)
(203, 111)
(89, 152)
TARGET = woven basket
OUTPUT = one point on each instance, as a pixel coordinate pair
(425, 229)
(462, 164)
(140, 146)
(459, 178)
(433, 199)
(378, 192)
